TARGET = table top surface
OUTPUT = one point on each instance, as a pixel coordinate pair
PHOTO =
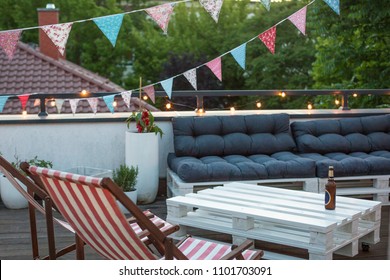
(276, 205)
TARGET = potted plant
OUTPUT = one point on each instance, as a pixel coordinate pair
(126, 178)
(142, 151)
(10, 196)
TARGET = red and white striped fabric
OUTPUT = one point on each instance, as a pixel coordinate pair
(94, 214)
(198, 249)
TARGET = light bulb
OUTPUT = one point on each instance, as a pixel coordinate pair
(114, 103)
(283, 94)
(84, 92)
(354, 95)
(309, 106)
(168, 106)
(337, 102)
(24, 113)
(53, 103)
(145, 97)
(258, 104)
(232, 109)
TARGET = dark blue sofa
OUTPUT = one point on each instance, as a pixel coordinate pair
(267, 148)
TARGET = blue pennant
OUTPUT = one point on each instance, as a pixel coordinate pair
(334, 4)
(110, 26)
(3, 100)
(109, 100)
(167, 85)
(266, 4)
(239, 54)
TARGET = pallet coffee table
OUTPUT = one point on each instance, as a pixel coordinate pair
(282, 216)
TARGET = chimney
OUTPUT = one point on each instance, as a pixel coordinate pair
(47, 16)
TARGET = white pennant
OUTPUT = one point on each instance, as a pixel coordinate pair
(59, 34)
(73, 104)
(191, 77)
(213, 7)
(126, 95)
(59, 103)
(93, 102)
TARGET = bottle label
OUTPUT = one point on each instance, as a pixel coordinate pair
(327, 197)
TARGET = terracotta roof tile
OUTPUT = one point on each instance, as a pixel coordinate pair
(30, 71)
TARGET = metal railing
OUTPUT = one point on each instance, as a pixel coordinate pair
(200, 94)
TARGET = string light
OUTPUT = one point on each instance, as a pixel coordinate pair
(115, 103)
(145, 97)
(337, 102)
(24, 113)
(84, 92)
(53, 103)
(258, 104)
(354, 95)
(232, 109)
(309, 106)
(168, 106)
(200, 111)
(283, 94)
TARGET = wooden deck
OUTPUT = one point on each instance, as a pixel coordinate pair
(15, 237)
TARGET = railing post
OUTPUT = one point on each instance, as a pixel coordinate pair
(43, 112)
(344, 104)
(199, 101)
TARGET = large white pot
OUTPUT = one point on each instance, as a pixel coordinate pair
(10, 196)
(133, 197)
(142, 151)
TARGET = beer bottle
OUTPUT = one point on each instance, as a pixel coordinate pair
(330, 191)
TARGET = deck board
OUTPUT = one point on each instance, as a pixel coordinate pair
(15, 237)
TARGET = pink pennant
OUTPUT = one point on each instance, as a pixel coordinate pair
(161, 15)
(268, 38)
(126, 95)
(23, 99)
(59, 34)
(8, 41)
(299, 20)
(213, 7)
(215, 65)
(149, 90)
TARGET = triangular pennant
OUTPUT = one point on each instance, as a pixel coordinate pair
(215, 66)
(239, 54)
(266, 4)
(37, 102)
(213, 7)
(110, 26)
(8, 42)
(73, 104)
(191, 77)
(59, 34)
(268, 38)
(161, 15)
(59, 103)
(167, 85)
(299, 20)
(149, 90)
(126, 95)
(93, 102)
(23, 99)
(109, 100)
(3, 100)
(334, 4)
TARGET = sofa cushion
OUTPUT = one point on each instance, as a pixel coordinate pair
(232, 135)
(349, 165)
(238, 167)
(346, 135)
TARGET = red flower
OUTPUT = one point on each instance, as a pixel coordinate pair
(144, 122)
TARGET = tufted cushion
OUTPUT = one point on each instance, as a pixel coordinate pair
(346, 135)
(232, 135)
(237, 167)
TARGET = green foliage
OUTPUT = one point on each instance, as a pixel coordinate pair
(125, 177)
(34, 161)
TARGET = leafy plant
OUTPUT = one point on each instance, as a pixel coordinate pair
(125, 177)
(145, 122)
(34, 161)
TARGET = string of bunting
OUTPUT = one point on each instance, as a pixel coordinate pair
(267, 37)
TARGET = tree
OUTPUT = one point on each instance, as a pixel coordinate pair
(352, 50)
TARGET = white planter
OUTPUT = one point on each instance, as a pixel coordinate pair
(10, 196)
(142, 151)
(133, 197)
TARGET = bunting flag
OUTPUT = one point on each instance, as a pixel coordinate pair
(268, 38)
(73, 104)
(167, 85)
(93, 102)
(215, 66)
(3, 100)
(161, 15)
(59, 34)
(109, 100)
(37, 102)
(8, 42)
(334, 4)
(266, 4)
(126, 95)
(149, 90)
(191, 77)
(239, 55)
(213, 7)
(299, 20)
(59, 103)
(23, 99)
(110, 26)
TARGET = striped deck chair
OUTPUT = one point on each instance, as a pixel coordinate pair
(90, 205)
(33, 195)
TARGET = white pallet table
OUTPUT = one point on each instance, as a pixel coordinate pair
(288, 217)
